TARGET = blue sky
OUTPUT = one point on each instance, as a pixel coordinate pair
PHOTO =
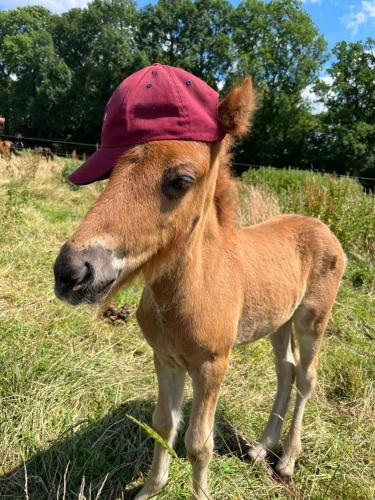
(337, 19)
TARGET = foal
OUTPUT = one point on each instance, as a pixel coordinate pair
(168, 212)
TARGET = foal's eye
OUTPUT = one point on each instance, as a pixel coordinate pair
(175, 186)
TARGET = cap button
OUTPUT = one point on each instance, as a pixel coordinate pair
(188, 83)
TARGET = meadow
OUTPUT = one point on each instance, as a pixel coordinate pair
(69, 380)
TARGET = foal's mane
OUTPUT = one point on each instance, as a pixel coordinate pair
(235, 112)
(226, 198)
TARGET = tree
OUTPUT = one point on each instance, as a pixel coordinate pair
(57, 72)
(98, 45)
(195, 35)
(349, 120)
(280, 47)
(34, 79)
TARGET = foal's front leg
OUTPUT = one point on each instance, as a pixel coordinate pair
(199, 440)
(165, 421)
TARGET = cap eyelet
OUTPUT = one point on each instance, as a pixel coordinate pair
(149, 85)
(188, 83)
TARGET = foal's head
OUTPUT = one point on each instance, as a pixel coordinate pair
(157, 196)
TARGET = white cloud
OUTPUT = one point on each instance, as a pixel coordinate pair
(354, 20)
(312, 98)
(311, 1)
(56, 6)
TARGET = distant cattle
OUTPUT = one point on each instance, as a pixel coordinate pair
(45, 152)
(6, 148)
(17, 147)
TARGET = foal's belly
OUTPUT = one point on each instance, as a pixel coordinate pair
(255, 325)
(248, 331)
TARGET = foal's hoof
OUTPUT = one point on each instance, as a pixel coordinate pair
(141, 496)
(285, 468)
(150, 489)
(144, 494)
(257, 453)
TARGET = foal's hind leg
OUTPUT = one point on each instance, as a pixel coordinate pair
(165, 421)
(285, 370)
(310, 325)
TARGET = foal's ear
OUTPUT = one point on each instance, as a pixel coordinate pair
(236, 109)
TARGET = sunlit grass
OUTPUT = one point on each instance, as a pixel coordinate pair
(68, 380)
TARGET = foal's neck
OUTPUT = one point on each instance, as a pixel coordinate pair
(189, 262)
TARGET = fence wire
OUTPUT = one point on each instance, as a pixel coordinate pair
(239, 165)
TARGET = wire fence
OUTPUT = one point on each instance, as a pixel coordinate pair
(50, 141)
(88, 148)
(61, 148)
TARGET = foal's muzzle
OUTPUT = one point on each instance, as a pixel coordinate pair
(84, 275)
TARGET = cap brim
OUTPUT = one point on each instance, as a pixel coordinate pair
(98, 166)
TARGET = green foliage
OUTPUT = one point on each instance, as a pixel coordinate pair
(349, 133)
(98, 44)
(69, 168)
(339, 202)
(36, 78)
(195, 35)
(280, 47)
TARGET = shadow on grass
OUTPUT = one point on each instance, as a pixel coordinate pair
(101, 459)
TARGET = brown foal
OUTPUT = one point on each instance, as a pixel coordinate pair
(169, 212)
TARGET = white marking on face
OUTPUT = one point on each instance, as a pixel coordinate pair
(124, 265)
(119, 263)
(130, 264)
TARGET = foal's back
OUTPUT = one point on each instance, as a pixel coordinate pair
(289, 262)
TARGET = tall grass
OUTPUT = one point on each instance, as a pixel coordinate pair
(256, 204)
(339, 202)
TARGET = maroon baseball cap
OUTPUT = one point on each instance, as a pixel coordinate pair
(156, 103)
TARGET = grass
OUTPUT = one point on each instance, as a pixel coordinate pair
(340, 202)
(68, 380)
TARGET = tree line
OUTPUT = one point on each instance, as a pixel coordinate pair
(58, 71)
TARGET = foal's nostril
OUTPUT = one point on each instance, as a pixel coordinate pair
(84, 275)
(89, 271)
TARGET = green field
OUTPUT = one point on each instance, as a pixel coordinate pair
(68, 380)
